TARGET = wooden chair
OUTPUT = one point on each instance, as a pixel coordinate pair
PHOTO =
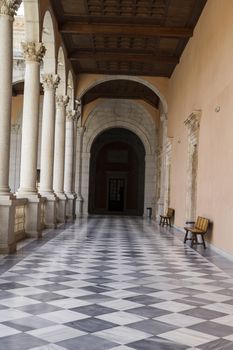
(166, 219)
(200, 228)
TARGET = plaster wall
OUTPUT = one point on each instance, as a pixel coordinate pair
(204, 81)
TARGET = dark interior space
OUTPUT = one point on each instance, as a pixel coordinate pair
(117, 173)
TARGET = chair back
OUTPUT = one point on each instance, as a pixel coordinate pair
(170, 212)
(202, 224)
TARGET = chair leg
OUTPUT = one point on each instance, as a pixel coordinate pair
(169, 220)
(203, 241)
(186, 236)
(160, 221)
(193, 239)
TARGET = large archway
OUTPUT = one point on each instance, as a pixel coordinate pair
(107, 115)
(117, 173)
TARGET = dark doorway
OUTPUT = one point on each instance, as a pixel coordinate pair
(116, 194)
(117, 173)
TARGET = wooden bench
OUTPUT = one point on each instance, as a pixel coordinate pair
(166, 219)
(200, 228)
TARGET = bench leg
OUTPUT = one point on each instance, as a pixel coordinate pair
(169, 220)
(186, 236)
(203, 241)
(194, 238)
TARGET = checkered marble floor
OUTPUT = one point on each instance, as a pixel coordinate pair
(114, 283)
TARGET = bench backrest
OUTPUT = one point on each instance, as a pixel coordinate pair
(170, 212)
(202, 224)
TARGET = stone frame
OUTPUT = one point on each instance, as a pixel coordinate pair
(121, 114)
(193, 124)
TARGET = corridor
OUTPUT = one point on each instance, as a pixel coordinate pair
(113, 283)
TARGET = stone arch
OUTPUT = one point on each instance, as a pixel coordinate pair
(130, 78)
(48, 39)
(61, 71)
(119, 114)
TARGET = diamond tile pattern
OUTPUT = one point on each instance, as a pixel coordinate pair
(115, 283)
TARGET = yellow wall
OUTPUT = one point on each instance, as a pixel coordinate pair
(204, 80)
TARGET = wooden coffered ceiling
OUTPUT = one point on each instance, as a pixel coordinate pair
(132, 37)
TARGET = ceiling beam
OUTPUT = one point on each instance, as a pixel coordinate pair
(125, 29)
(122, 57)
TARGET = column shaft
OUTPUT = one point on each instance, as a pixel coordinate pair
(7, 202)
(69, 151)
(59, 156)
(6, 29)
(33, 54)
(69, 165)
(50, 83)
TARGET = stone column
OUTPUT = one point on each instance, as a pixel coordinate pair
(50, 83)
(59, 156)
(193, 125)
(69, 163)
(78, 178)
(7, 208)
(33, 54)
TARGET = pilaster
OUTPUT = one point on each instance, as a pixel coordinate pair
(193, 125)
(78, 182)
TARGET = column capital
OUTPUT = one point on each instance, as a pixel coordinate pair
(9, 7)
(62, 101)
(50, 81)
(33, 52)
(71, 115)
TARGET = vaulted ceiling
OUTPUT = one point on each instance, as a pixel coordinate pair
(132, 37)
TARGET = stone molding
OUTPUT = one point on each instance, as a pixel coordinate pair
(163, 117)
(9, 7)
(193, 125)
(33, 52)
(50, 81)
(15, 128)
(81, 130)
(71, 115)
(62, 101)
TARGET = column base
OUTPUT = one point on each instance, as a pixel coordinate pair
(79, 206)
(71, 206)
(7, 219)
(61, 208)
(33, 214)
(50, 215)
